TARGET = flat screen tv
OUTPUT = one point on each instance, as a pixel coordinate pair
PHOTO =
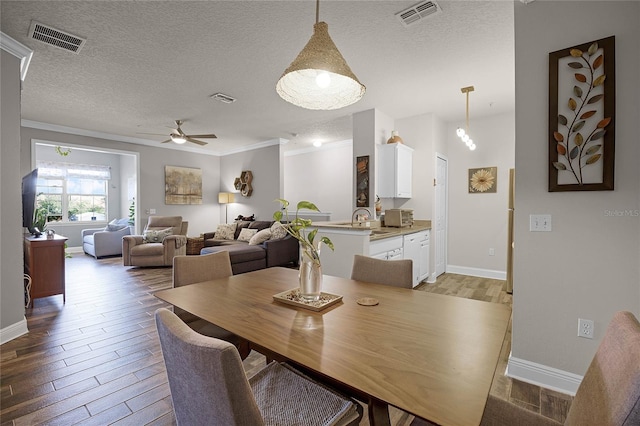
(29, 195)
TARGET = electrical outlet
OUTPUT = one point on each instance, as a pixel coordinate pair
(492, 252)
(585, 328)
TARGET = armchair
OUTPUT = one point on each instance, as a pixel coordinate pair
(137, 252)
(99, 242)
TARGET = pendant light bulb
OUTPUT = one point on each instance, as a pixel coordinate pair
(323, 79)
(460, 132)
(465, 138)
(469, 142)
(472, 147)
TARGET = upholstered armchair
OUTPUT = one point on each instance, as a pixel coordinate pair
(164, 237)
(100, 242)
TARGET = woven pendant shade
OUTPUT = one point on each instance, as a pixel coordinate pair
(298, 83)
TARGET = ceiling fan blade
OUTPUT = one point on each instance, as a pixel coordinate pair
(196, 141)
(168, 140)
(209, 136)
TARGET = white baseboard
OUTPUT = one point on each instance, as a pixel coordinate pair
(76, 249)
(542, 375)
(477, 272)
(13, 331)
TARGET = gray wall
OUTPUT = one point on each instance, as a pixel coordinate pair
(588, 266)
(11, 260)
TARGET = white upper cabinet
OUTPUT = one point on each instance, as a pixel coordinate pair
(394, 170)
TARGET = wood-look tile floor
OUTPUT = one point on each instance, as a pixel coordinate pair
(96, 360)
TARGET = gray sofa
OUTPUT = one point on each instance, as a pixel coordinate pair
(245, 257)
(101, 242)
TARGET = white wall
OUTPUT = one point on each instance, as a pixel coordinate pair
(323, 176)
(588, 266)
(478, 221)
(12, 320)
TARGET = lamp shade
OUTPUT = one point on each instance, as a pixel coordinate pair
(301, 86)
(226, 197)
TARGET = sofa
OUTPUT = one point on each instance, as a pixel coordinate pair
(247, 255)
(107, 241)
(164, 237)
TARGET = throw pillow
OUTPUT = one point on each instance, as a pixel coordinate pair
(226, 231)
(260, 237)
(277, 231)
(246, 234)
(155, 236)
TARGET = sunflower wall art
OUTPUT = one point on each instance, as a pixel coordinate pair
(483, 180)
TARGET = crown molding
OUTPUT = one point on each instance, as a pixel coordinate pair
(324, 147)
(18, 50)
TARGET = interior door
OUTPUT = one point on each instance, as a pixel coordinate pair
(440, 245)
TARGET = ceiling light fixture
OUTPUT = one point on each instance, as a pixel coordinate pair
(317, 144)
(462, 133)
(179, 139)
(319, 78)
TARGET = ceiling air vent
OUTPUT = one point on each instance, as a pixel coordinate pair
(223, 98)
(418, 12)
(55, 37)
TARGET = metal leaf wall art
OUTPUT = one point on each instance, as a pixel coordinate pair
(580, 151)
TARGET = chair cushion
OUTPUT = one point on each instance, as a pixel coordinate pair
(149, 249)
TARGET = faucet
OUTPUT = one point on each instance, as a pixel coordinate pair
(356, 211)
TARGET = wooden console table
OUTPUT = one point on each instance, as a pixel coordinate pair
(44, 262)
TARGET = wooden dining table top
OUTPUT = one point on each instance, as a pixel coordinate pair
(431, 355)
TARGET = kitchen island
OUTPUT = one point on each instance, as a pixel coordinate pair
(370, 239)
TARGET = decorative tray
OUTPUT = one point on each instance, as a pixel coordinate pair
(292, 297)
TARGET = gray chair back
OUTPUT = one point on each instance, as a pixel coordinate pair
(397, 273)
(609, 393)
(206, 378)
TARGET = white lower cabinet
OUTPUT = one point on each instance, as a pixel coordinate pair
(413, 246)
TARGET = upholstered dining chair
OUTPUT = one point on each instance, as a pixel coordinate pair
(609, 394)
(209, 386)
(192, 269)
(397, 273)
(163, 238)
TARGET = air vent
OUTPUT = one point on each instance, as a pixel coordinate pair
(55, 37)
(223, 98)
(418, 12)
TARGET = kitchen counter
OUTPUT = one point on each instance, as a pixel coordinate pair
(377, 232)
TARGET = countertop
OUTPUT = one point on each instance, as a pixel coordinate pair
(378, 232)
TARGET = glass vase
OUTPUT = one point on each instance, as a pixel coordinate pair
(310, 275)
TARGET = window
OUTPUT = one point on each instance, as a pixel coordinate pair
(72, 192)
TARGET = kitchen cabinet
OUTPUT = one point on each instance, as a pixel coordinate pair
(394, 170)
(387, 249)
(416, 248)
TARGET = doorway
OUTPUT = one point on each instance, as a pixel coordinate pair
(441, 214)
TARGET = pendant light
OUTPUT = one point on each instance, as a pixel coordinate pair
(319, 78)
(462, 133)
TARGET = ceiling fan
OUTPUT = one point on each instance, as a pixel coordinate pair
(180, 137)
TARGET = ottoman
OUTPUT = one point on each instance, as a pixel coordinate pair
(244, 258)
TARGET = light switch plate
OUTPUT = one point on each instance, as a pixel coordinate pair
(540, 223)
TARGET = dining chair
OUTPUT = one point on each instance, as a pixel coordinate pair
(209, 385)
(609, 393)
(397, 273)
(192, 269)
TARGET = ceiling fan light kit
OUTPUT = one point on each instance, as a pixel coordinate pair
(180, 138)
(462, 133)
(320, 78)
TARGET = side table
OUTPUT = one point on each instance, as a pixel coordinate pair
(194, 245)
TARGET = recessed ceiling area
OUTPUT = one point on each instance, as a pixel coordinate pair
(144, 64)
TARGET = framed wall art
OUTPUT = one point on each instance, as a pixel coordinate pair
(582, 97)
(182, 185)
(362, 181)
(483, 180)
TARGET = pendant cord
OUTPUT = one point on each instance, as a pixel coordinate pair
(467, 112)
(317, 11)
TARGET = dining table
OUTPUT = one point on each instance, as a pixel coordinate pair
(431, 355)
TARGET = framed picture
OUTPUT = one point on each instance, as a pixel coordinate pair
(483, 180)
(182, 185)
(362, 181)
(582, 97)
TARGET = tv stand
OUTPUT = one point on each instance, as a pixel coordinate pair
(44, 262)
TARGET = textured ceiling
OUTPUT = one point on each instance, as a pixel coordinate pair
(147, 63)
